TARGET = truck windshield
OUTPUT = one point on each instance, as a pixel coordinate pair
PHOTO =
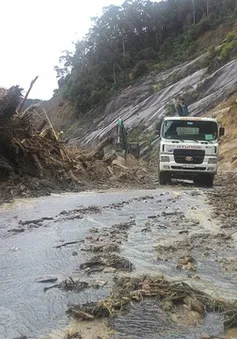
(190, 130)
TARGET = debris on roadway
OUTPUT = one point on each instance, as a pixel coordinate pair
(171, 295)
(224, 199)
(34, 161)
(108, 260)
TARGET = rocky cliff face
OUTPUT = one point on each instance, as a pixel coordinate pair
(143, 104)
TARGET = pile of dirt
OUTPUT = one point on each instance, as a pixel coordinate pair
(34, 161)
(225, 113)
(224, 199)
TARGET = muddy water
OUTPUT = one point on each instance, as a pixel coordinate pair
(160, 216)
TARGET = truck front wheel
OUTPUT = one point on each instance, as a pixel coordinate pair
(164, 178)
(204, 180)
(209, 180)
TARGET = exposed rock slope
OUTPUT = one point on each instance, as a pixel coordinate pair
(144, 103)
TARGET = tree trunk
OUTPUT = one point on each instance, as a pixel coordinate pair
(26, 96)
(114, 73)
(194, 12)
(124, 51)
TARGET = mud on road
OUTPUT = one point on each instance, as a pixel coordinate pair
(147, 264)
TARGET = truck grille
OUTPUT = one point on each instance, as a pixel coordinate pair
(183, 156)
(188, 169)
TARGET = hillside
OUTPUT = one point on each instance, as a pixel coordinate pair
(134, 62)
(206, 77)
(139, 37)
(151, 97)
(226, 113)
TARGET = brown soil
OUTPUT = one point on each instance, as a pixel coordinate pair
(225, 113)
(224, 199)
(34, 162)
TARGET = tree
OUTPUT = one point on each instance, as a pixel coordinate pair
(125, 40)
(194, 12)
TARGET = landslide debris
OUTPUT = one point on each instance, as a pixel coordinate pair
(108, 260)
(69, 284)
(224, 199)
(34, 161)
(171, 295)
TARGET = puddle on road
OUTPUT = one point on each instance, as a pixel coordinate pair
(158, 216)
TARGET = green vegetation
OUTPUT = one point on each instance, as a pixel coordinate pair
(140, 36)
(227, 51)
(229, 48)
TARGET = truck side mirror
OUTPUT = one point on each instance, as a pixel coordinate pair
(221, 131)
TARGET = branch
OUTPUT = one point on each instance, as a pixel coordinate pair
(26, 96)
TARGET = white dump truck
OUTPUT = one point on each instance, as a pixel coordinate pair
(189, 148)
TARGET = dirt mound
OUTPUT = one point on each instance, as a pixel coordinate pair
(224, 199)
(225, 113)
(34, 161)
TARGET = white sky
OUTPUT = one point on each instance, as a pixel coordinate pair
(33, 35)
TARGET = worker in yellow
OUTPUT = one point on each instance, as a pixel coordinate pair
(59, 135)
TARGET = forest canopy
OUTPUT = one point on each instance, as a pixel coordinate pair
(128, 41)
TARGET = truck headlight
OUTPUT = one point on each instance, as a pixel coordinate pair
(212, 161)
(165, 158)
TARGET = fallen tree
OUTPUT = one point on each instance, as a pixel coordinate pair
(34, 161)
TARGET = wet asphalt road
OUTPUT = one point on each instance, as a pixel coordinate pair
(160, 216)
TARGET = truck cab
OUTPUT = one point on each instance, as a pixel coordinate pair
(189, 148)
